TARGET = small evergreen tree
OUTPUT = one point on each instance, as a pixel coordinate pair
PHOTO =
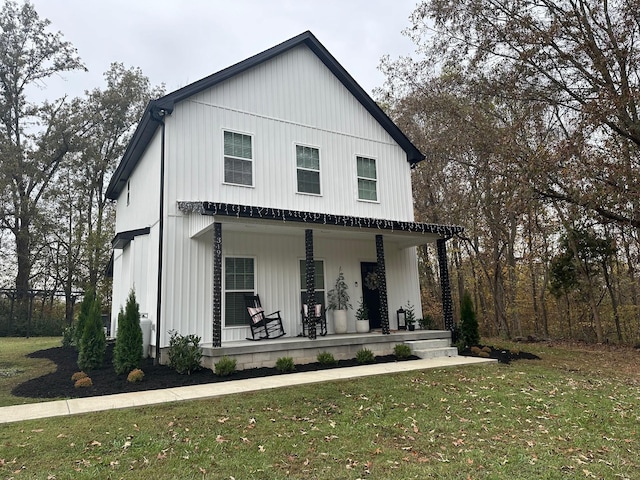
(468, 324)
(128, 351)
(93, 343)
(85, 309)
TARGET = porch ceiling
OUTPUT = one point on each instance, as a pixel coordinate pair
(201, 224)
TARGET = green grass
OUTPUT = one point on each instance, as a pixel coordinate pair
(574, 414)
(16, 368)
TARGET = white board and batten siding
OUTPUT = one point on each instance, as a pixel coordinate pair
(292, 99)
(136, 265)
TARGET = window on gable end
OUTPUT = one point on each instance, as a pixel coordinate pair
(308, 169)
(367, 179)
(238, 159)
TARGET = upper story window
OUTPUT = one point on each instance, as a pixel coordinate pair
(238, 159)
(367, 179)
(308, 169)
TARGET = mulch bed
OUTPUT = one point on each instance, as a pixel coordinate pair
(58, 384)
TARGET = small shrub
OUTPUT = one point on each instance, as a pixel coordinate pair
(84, 382)
(225, 366)
(402, 351)
(185, 353)
(83, 315)
(486, 349)
(93, 343)
(484, 354)
(77, 376)
(514, 351)
(285, 365)
(128, 353)
(475, 350)
(365, 355)
(326, 359)
(69, 336)
(135, 375)
(468, 323)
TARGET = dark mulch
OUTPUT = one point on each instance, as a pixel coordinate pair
(502, 355)
(106, 382)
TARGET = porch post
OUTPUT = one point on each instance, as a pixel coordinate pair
(382, 286)
(310, 276)
(447, 306)
(217, 284)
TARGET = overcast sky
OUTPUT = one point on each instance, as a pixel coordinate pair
(177, 42)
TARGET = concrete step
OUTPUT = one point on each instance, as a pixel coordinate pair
(436, 352)
(426, 344)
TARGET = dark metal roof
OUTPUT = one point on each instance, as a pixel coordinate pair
(122, 239)
(149, 122)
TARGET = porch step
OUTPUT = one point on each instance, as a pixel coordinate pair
(432, 348)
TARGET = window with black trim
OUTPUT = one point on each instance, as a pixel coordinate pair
(238, 158)
(367, 179)
(308, 169)
(239, 280)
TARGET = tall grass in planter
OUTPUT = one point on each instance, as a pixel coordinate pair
(128, 351)
(93, 343)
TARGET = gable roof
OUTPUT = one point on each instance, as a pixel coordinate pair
(155, 109)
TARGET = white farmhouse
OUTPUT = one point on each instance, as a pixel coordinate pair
(267, 178)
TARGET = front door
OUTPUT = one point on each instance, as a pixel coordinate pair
(370, 293)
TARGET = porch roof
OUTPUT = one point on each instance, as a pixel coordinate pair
(406, 234)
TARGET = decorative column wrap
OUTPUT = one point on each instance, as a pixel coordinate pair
(217, 284)
(310, 275)
(382, 286)
(447, 305)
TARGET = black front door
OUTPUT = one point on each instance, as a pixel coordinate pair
(370, 293)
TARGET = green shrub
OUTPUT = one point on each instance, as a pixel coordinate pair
(402, 351)
(365, 355)
(135, 375)
(285, 365)
(326, 359)
(93, 343)
(69, 336)
(85, 309)
(128, 353)
(184, 352)
(468, 324)
(225, 366)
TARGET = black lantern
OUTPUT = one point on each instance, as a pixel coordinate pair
(402, 319)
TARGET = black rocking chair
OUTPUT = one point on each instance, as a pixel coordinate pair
(317, 316)
(262, 326)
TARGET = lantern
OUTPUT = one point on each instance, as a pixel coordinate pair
(402, 319)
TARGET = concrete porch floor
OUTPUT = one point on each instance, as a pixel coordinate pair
(264, 353)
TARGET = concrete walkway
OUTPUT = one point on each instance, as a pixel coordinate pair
(32, 411)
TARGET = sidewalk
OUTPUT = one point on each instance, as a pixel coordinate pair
(58, 408)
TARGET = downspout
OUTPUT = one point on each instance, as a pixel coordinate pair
(158, 114)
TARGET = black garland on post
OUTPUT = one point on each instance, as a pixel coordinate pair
(447, 305)
(217, 284)
(310, 273)
(382, 286)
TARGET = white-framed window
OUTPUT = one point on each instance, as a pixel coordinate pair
(238, 158)
(367, 179)
(319, 282)
(239, 280)
(308, 169)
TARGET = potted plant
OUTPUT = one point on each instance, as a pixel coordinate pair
(410, 317)
(338, 301)
(362, 317)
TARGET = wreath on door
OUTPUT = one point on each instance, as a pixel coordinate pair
(371, 281)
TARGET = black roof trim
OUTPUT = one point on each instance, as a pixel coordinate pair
(122, 239)
(149, 122)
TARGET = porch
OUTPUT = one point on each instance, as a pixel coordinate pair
(264, 353)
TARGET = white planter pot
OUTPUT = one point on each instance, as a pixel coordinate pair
(362, 326)
(340, 321)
